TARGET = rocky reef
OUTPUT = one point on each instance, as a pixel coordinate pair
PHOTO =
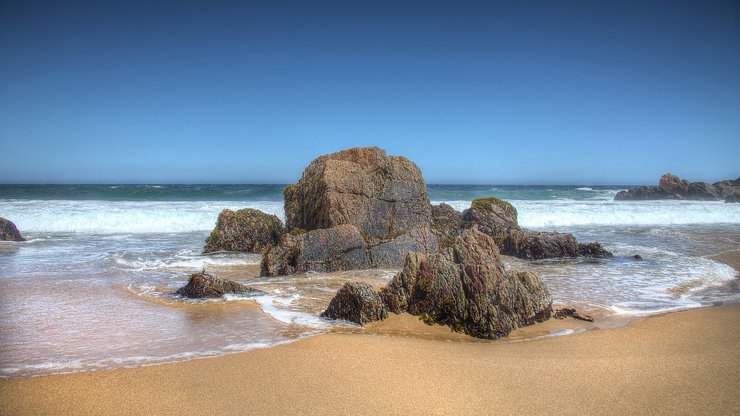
(360, 208)
(498, 219)
(247, 230)
(673, 187)
(357, 208)
(9, 232)
(204, 285)
(463, 286)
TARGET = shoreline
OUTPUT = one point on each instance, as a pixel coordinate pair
(683, 362)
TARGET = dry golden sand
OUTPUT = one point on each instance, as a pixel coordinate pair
(681, 363)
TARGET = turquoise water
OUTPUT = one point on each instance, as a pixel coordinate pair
(275, 192)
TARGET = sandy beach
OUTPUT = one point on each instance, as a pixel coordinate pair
(680, 363)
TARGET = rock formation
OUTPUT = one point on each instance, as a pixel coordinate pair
(498, 219)
(248, 230)
(204, 285)
(466, 287)
(9, 232)
(673, 187)
(357, 208)
(357, 302)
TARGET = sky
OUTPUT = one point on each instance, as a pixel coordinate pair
(497, 92)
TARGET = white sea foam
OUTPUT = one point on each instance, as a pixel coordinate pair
(564, 213)
(134, 217)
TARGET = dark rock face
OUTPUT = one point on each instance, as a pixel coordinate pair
(380, 195)
(9, 232)
(354, 209)
(204, 285)
(733, 198)
(248, 230)
(673, 187)
(498, 219)
(446, 220)
(356, 302)
(466, 288)
(323, 250)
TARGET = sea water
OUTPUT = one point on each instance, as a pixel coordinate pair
(92, 287)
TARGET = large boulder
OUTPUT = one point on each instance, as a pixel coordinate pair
(247, 230)
(204, 285)
(9, 232)
(356, 302)
(380, 195)
(466, 287)
(354, 209)
(673, 187)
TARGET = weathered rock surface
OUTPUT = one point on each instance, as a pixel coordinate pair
(9, 232)
(204, 285)
(354, 209)
(323, 250)
(465, 287)
(380, 195)
(446, 220)
(498, 219)
(673, 187)
(247, 230)
(356, 302)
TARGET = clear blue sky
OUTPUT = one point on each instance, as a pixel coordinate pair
(550, 92)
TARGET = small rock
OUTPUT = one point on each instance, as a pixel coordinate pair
(204, 285)
(571, 312)
(637, 257)
(356, 302)
(9, 232)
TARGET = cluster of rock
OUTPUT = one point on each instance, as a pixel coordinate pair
(673, 187)
(204, 285)
(498, 219)
(360, 208)
(463, 286)
(9, 232)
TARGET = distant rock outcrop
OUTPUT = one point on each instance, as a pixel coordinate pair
(357, 208)
(356, 302)
(247, 230)
(204, 285)
(9, 232)
(466, 287)
(673, 187)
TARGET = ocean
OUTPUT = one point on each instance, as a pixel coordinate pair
(91, 288)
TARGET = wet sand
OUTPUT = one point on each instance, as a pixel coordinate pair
(681, 363)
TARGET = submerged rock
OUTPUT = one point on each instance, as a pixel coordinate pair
(571, 312)
(9, 232)
(594, 250)
(356, 302)
(467, 288)
(204, 285)
(673, 187)
(247, 230)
